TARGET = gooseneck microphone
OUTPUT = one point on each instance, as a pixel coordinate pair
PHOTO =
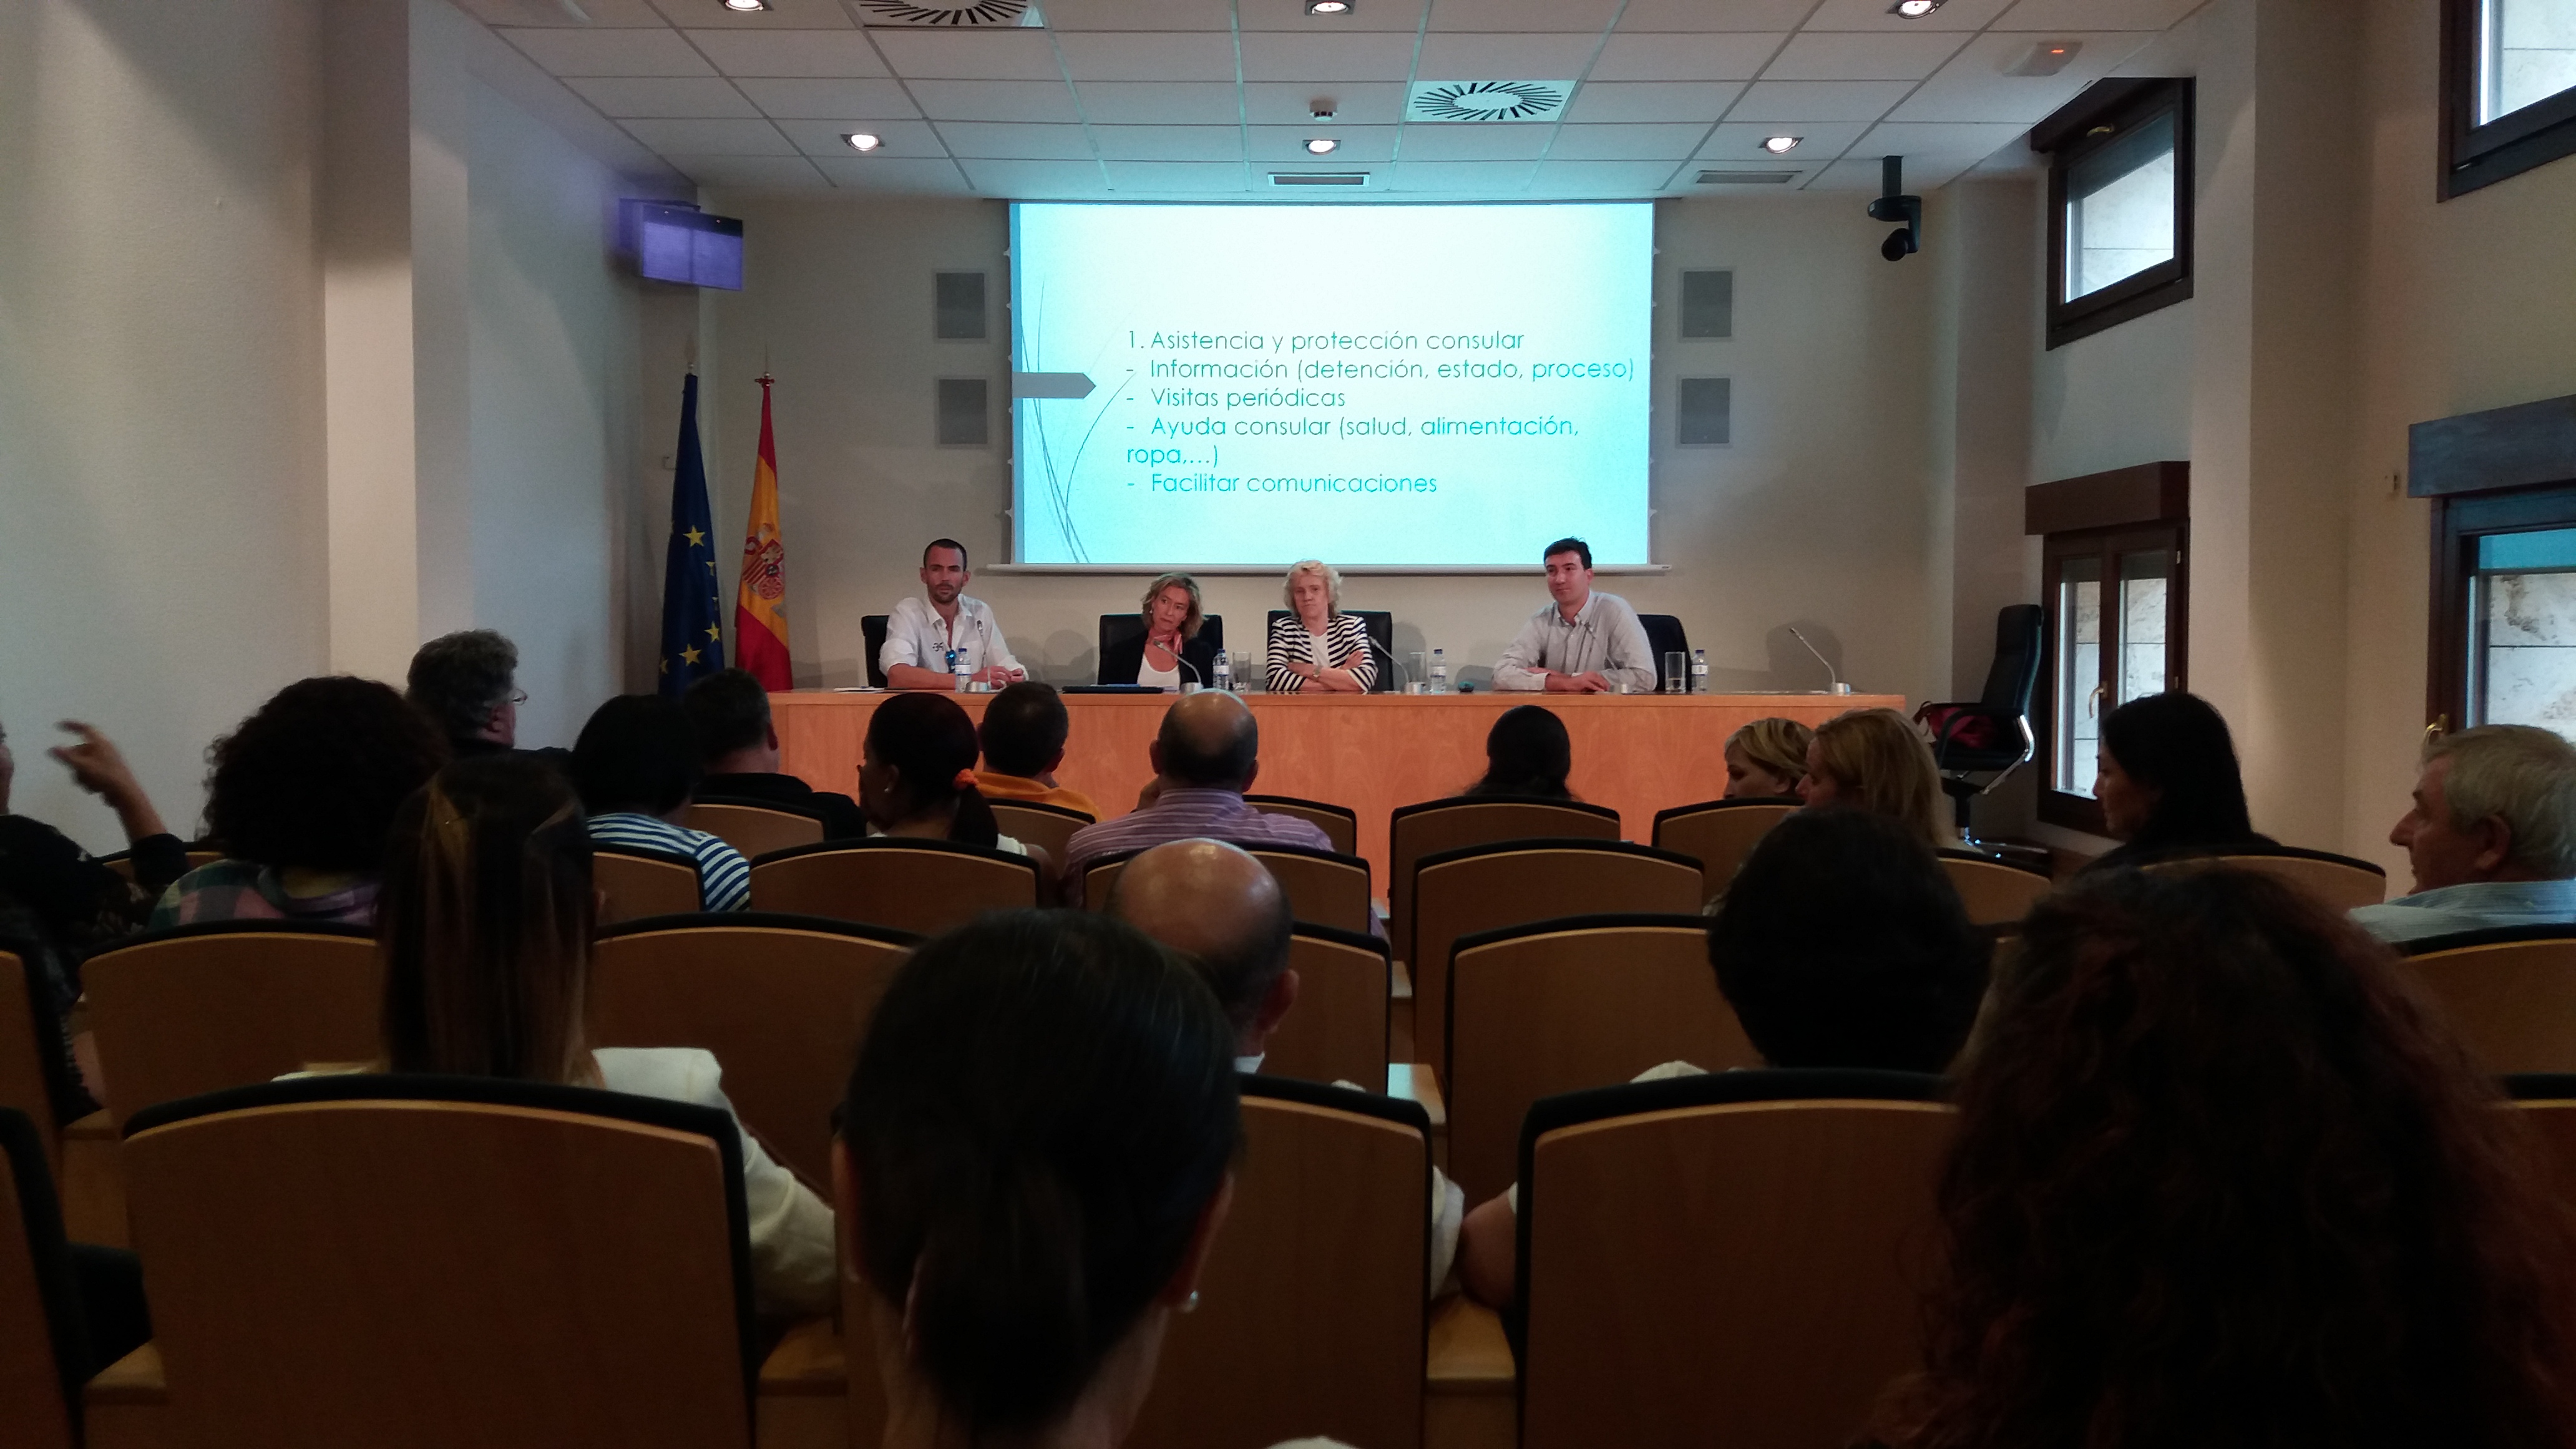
(1830, 672)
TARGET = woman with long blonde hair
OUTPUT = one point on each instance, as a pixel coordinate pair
(1876, 760)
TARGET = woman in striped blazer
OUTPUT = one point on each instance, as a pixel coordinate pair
(1316, 648)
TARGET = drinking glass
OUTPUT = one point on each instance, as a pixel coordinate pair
(1676, 672)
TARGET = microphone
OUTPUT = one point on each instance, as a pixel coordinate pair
(1393, 669)
(1830, 672)
(1183, 660)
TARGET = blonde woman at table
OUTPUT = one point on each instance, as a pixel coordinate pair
(1170, 650)
(1316, 648)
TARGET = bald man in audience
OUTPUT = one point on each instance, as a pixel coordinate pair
(2491, 836)
(1205, 757)
(1216, 905)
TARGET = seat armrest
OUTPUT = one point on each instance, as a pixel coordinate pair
(1399, 983)
(1417, 1082)
(134, 1381)
(808, 1360)
(1468, 1353)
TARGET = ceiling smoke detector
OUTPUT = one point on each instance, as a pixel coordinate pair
(2045, 57)
(950, 14)
(1507, 100)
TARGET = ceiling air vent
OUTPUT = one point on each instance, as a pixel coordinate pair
(953, 14)
(1746, 178)
(1512, 100)
(1319, 178)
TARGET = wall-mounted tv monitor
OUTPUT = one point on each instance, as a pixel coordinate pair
(673, 241)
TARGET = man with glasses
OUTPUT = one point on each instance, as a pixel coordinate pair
(466, 683)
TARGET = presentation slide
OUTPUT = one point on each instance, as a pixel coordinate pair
(1409, 386)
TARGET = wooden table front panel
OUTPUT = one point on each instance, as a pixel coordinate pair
(1635, 753)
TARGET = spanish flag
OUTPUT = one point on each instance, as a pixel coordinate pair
(760, 606)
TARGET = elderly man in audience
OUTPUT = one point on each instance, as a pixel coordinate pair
(2492, 836)
(1204, 760)
(467, 683)
(738, 746)
(1023, 737)
(1222, 909)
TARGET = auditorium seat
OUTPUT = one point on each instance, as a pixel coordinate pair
(43, 1354)
(1665, 635)
(1731, 1259)
(1558, 1006)
(2547, 1102)
(1996, 892)
(1340, 823)
(391, 1261)
(1328, 889)
(122, 861)
(1486, 887)
(1100, 877)
(1432, 826)
(754, 827)
(910, 885)
(781, 1000)
(227, 1003)
(635, 883)
(29, 1062)
(1718, 833)
(1034, 822)
(872, 637)
(2339, 882)
(1381, 631)
(1337, 1031)
(2509, 992)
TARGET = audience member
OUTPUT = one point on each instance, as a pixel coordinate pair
(1876, 760)
(1205, 757)
(485, 937)
(2221, 1179)
(917, 777)
(1766, 759)
(2492, 835)
(1036, 1149)
(738, 750)
(1841, 943)
(2167, 779)
(466, 682)
(299, 800)
(1526, 753)
(1023, 735)
(636, 765)
(1223, 911)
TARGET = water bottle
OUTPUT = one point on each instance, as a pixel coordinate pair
(1439, 672)
(1699, 671)
(958, 667)
(1224, 671)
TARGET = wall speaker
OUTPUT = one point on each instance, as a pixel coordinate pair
(1703, 418)
(1708, 304)
(964, 420)
(957, 306)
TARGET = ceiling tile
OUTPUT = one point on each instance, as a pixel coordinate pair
(1880, 15)
(1162, 177)
(829, 100)
(1361, 103)
(1076, 179)
(1066, 16)
(895, 174)
(1015, 141)
(779, 15)
(1361, 145)
(1819, 142)
(1780, 15)
(1474, 142)
(1572, 179)
(1002, 55)
(1588, 16)
(1169, 143)
(1275, 57)
(1290, 15)
(711, 138)
(1937, 144)
(896, 138)
(680, 95)
(1668, 142)
(1685, 57)
(1973, 86)
(1819, 100)
(1858, 56)
(1130, 55)
(1462, 178)
(1860, 173)
(602, 14)
(1701, 101)
(831, 53)
(2096, 14)
(610, 52)
(755, 173)
(1503, 57)
(1152, 103)
(963, 100)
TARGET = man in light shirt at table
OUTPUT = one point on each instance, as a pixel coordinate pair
(1584, 642)
(925, 637)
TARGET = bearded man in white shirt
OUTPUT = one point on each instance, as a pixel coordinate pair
(925, 638)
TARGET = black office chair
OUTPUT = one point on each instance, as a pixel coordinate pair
(1381, 631)
(1664, 636)
(1117, 629)
(1978, 743)
(872, 630)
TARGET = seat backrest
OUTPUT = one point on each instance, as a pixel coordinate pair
(872, 634)
(1665, 635)
(2547, 1102)
(1328, 889)
(1414, 831)
(1340, 823)
(1994, 892)
(1559, 1006)
(227, 1003)
(2014, 674)
(1486, 887)
(43, 1349)
(781, 1000)
(122, 861)
(1337, 1030)
(639, 883)
(1034, 822)
(2339, 882)
(1312, 1315)
(1117, 629)
(1101, 876)
(1718, 833)
(926, 886)
(1703, 1266)
(2509, 994)
(26, 1054)
(754, 827)
(389, 1261)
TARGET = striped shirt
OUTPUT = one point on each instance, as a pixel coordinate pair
(724, 877)
(1184, 812)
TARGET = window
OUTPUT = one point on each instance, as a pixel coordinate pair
(2504, 650)
(2508, 88)
(2119, 191)
(2114, 605)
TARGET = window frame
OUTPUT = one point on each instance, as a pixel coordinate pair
(2474, 155)
(2068, 138)
(2059, 807)
(2459, 521)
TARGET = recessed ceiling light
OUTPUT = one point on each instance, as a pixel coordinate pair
(1781, 145)
(1915, 9)
(1322, 146)
(862, 141)
(746, 5)
(1328, 7)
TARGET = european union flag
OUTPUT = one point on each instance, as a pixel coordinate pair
(692, 637)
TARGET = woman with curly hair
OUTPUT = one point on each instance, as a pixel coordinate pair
(2222, 1180)
(300, 798)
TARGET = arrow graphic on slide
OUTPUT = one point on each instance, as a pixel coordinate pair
(1051, 384)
